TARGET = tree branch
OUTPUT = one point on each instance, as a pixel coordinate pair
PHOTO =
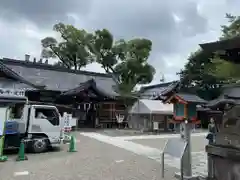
(59, 56)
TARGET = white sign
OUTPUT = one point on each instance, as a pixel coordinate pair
(120, 118)
(69, 118)
(65, 119)
(155, 126)
(12, 92)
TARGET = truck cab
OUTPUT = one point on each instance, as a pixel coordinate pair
(43, 121)
(38, 125)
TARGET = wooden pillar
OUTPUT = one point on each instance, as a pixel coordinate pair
(185, 111)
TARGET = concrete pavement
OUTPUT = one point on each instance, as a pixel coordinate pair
(151, 146)
(94, 160)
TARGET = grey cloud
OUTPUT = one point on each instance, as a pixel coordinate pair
(192, 23)
(152, 19)
(147, 18)
(43, 12)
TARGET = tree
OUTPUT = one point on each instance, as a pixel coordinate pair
(232, 29)
(125, 60)
(221, 68)
(72, 49)
(196, 79)
(208, 73)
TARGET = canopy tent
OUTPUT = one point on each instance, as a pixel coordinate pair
(146, 106)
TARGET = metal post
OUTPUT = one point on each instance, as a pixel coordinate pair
(187, 157)
(163, 165)
(181, 168)
(186, 169)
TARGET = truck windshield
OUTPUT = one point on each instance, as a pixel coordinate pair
(50, 114)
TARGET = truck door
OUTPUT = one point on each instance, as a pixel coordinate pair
(45, 120)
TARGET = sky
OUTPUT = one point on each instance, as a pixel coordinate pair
(175, 27)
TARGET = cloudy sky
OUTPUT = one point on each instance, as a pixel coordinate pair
(176, 27)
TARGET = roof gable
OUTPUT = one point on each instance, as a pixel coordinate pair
(192, 98)
(86, 86)
(153, 91)
(144, 88)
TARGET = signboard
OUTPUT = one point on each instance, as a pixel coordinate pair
(120, 118)
(11, 92)
(174, 147)
(69, 118)
(67, 121)
(155, 126)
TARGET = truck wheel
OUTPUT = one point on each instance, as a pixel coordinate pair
(39, 145)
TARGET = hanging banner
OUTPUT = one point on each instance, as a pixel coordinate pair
(67, 121)
(11, 92)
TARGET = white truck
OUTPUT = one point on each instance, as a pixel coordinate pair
(38, 125)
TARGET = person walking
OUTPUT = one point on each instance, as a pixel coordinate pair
(212, 130)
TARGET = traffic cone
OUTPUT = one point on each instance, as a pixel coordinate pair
(2, 157)
(72, 145)
(21, 152)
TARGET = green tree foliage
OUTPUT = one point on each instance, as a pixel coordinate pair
(232, 29)
(206, 73)
(125, 60)
(71, 49)
(224, 69)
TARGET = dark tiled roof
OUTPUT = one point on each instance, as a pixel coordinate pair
(154, 91)
(86, 86)
(58, 78)
(191, 98)
(222, 45)
(166, 92)
(173, 87)
(45, 66)
(10, 73)
(161, 85)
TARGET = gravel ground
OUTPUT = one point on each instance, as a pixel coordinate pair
(94, 160)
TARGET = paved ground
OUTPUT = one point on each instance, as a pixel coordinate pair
(131, 132)
(94, 160)
(198, 142)
(151, 146)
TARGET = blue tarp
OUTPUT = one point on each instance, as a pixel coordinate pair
(11, 127)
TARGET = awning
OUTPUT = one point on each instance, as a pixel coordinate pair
(146, 106)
